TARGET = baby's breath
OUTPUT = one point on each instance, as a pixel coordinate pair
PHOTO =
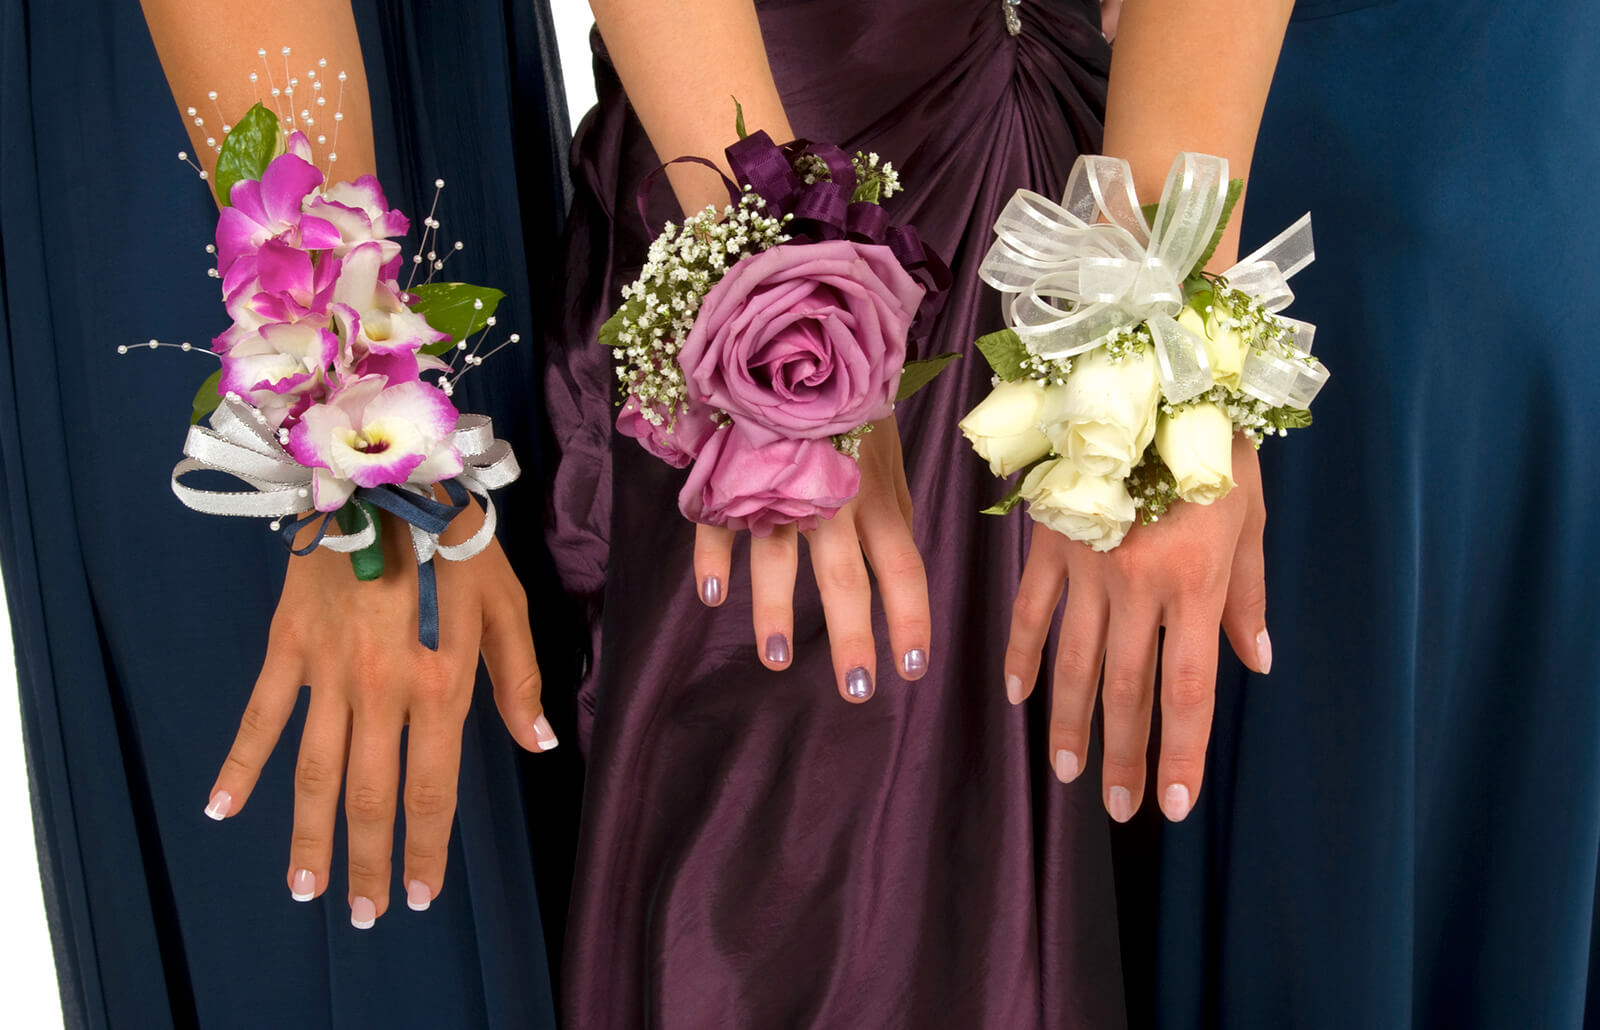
(849, 444)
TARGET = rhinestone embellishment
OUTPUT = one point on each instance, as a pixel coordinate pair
(1013, 21)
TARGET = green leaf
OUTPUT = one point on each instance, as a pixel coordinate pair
(1150, 213)
(206, 398)
(1004, 351)
(869, 189)
(448, 307)
(246, 150)
(1235, 188)
(1013, 497)
(1288, 417)
(918, 374)
(611, 331)
(367, 562)
(738, 118)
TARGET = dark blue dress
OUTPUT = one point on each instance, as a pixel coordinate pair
(1401, 825)
(140, 625)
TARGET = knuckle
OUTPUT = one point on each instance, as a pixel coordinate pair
(1182, 764)
(424, 853)
(1064, 731)
(314, 775)
(1197, 576)
(305, 842)
(368, 804)
(844, 577)
(525, 690)
(1123, 769)
(1188, 689)
(426, 800)
(238, 768)
(1123, 694)
(1030, 613)
(903, 562)
(1075, 663)
(364, 871)
(254, 723)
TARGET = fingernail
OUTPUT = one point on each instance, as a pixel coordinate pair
(1176, 802)
(304, 885)
(915, 663)
(778, 649)
(711, 590)
(221, 803)
(858, 683)
(1264, 651)
(418, 896)
(363, 913)
(1013, 688)
(1066, 766)
(546, 735)
(1120, 802)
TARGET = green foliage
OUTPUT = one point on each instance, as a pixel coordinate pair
(206, 398)
(367, 562)
(1004, 351)
(1013, 497)
(1235, 189)
(918, 374)
(738, 118)
(246, 150)
(631, 310)
(448, 307)
(1288, 417)
(1150, 213)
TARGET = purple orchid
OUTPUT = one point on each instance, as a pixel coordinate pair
(370, 434)
(288, 286)
(279, 367)
(371, 318)
(266, 209)
(361, 214)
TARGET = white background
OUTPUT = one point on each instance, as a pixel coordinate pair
(27, 969)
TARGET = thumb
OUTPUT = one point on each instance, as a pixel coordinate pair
(1244, 616)
(514, 668)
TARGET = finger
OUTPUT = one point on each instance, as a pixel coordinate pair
(713, 552)
(1188, 698)
(267, 712)
(1033, 611)
(513, 666)
(1128, 699)
(1076, 682)
(1244, 616)
(372, 781)
(317, 776)
(902, 582)
(846, 604)
(433, 767)
(773, 560)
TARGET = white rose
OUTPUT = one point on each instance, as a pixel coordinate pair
(1197, 446)
(1106, 414)
(1226, 349)
(1091, 509)
(1004, 427)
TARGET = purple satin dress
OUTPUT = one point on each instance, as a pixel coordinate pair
(756, 852)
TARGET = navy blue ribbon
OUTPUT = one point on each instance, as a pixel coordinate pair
(426, 513)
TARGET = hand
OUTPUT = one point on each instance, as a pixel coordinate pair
(877, 522)
(1198, 566)
(356, 645)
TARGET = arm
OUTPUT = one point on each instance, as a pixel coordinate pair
(1186, 75)
(369, 676)
(684, 98)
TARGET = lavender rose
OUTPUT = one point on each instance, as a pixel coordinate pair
(744, 484)
(676, 442)
(803, 341)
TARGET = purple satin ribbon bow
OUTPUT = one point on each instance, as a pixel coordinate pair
(824, 211)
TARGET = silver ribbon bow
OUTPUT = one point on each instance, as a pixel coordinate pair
(242, 444)
(1090, 265)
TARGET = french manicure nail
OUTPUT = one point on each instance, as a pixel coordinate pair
(546, 734)
(1264, 651)
(711, 591)
(1176, 802)
(1066, 766)
(915, 663)
(418, 896)
(858, 683)
(363, 913)
(220, 805)
(1013, 688)
(1120, 802)
(778, 649)
(304, 885)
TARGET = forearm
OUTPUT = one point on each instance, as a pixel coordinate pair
(1192, 75)
(214, 47)
(682, 65)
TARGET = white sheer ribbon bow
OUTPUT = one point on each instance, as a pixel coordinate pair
(1092, 264)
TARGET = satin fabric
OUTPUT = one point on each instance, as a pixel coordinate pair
(754, 850)
(139, 625)
(1401, 824)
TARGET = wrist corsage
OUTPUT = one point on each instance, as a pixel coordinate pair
(760, 343)
(1127, 368)
(320, 405)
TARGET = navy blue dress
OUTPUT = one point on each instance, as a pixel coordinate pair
(1401, 824)
(140, 625)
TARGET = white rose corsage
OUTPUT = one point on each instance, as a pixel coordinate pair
(1126, 368)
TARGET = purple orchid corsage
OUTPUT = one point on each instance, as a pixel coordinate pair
(320, 405)
(760, 343)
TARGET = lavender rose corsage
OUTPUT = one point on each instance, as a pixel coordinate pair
(320, 405)
(758, 345)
